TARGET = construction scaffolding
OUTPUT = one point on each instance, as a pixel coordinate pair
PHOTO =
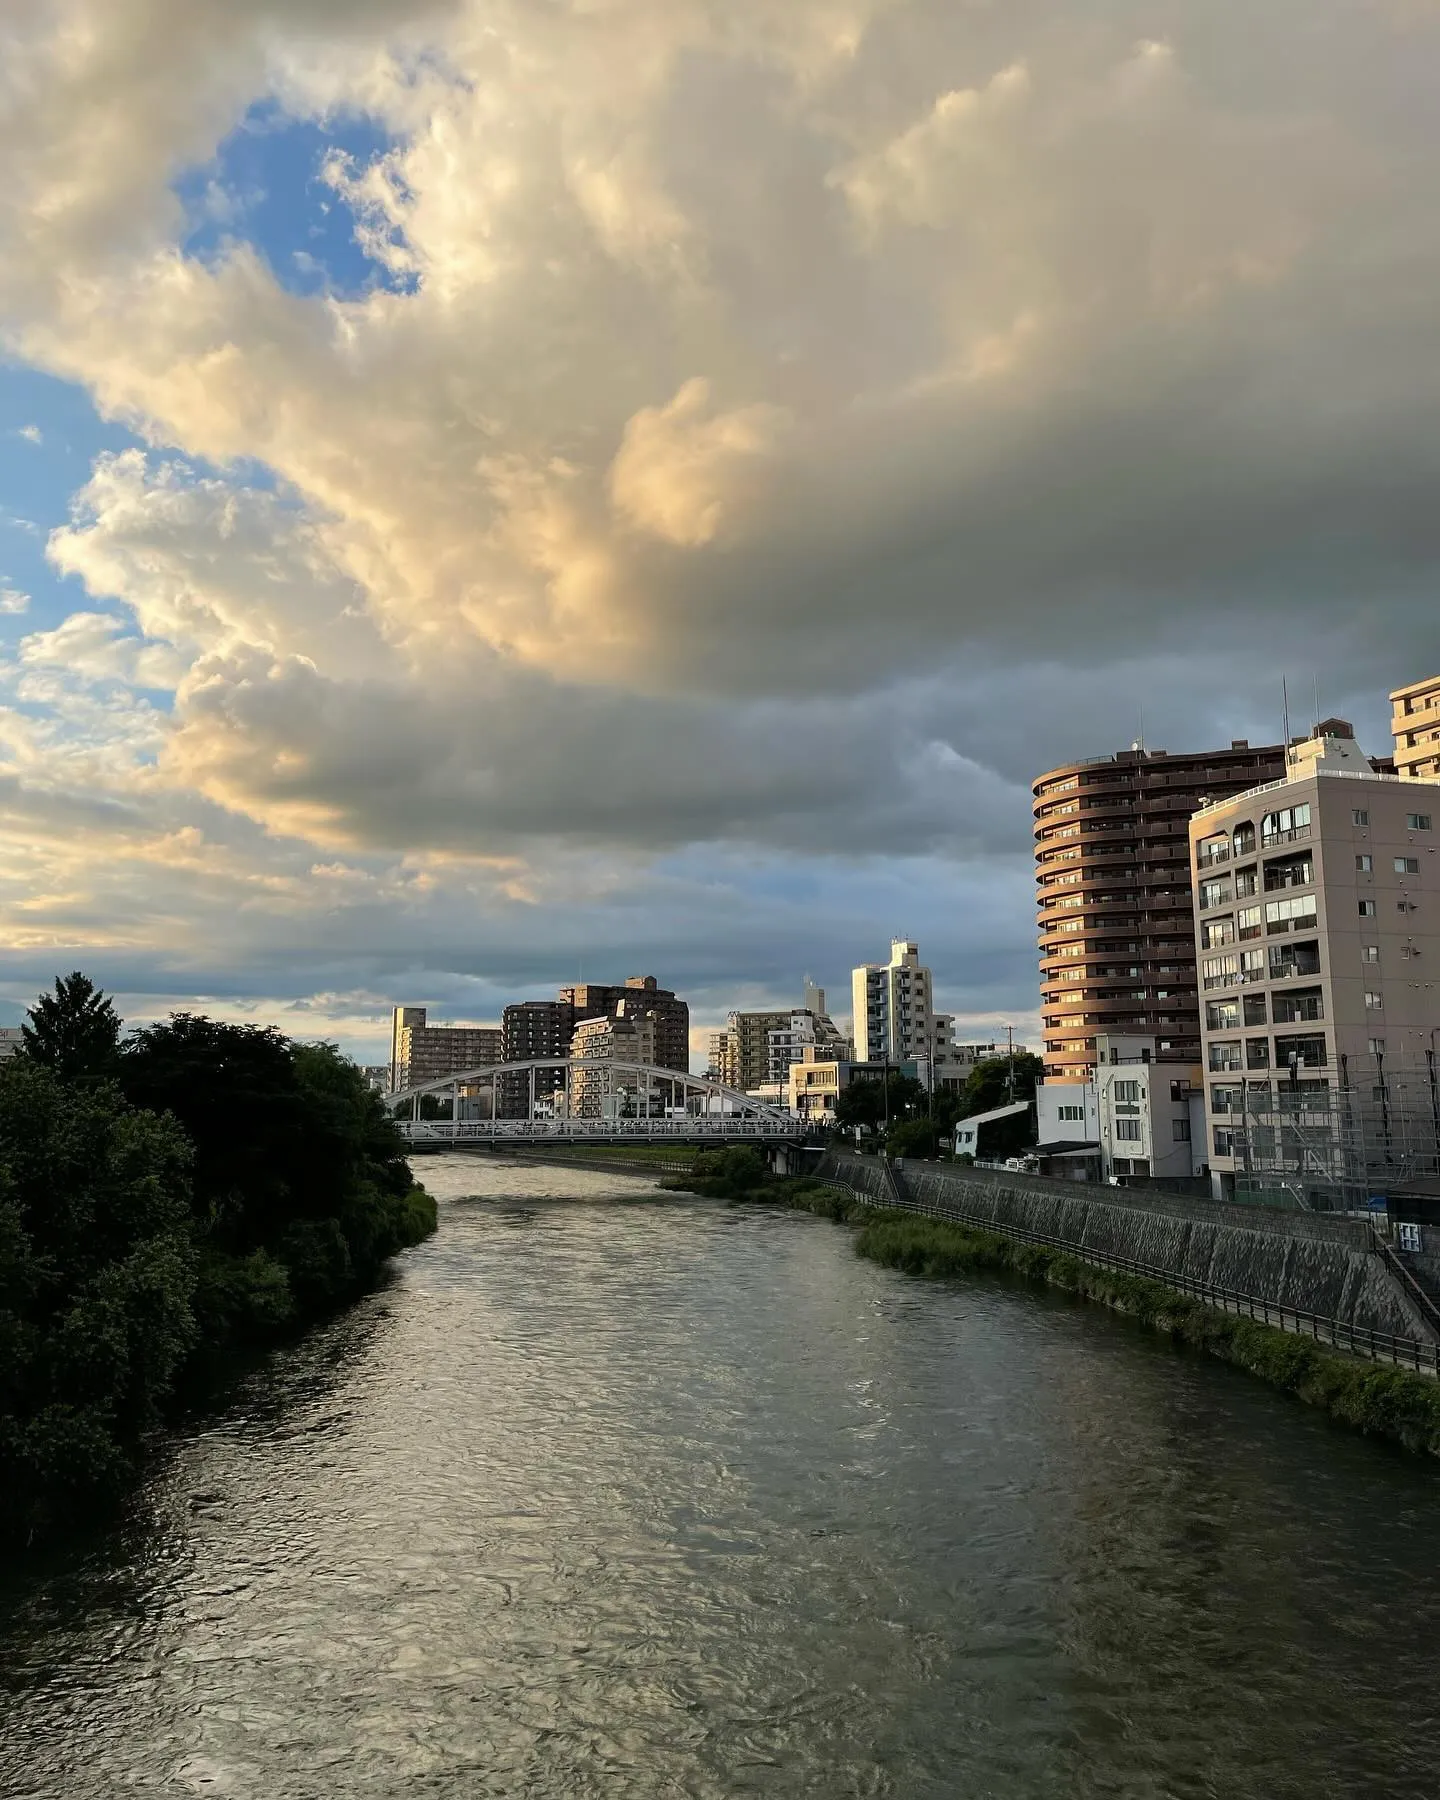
(1334, 1139)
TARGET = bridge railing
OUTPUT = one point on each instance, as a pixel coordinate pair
(446, 1131)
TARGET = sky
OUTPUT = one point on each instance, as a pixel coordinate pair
(493, 494)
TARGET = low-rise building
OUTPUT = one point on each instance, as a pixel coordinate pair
(814, 1082)
(1136, 1115)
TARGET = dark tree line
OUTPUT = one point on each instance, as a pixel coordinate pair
(166, 1198)
(916, 1122)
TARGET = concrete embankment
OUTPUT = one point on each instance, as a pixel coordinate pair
(1304, 1262)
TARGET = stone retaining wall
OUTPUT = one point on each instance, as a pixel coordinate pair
(1305, 1261)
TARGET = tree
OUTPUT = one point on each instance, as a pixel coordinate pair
(989, 1082)
(97, 1276)
(74, 1032)
(301, 1185)
(863, 1102)
(913, 1137)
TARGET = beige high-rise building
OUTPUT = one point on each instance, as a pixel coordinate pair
(894, 1014)
(597, 1086)
(1415, 724)
(1317, 920)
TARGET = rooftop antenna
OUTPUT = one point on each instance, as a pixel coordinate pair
(1285, 716)
(1317, 696)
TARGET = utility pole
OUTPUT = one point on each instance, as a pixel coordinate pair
(1010, 1055)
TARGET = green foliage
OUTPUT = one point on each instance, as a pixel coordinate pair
(97, 1275)
(988, 1084)
(239, 1185)
(913, 1137)
(74, 1032)
(863, 1102)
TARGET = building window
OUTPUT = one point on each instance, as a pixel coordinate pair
(1244, 839)
(1376, 1046)
(1220, 971)
(1226, 1099)
(1409, 950)
(1225, 1055)
(1359, 816)
(1076, 1113)
(1252, 965)
(1370, 953)
(1299, 1006)
(1373, 1000)
(1213, 893)
(1367, 909)
(1257, 1053)
(1248, 920)
(1289, 960)
(1304, 1052)
(1212, 850)
(1247, 882)
(1407, 865)
(1417, 821)
(1128, 1130)
(1289, 872)
(1180, 1131)
(1288, 823)
(1254, 1009)
(1126, 1091)
(1222, 1015)
(1215, 933)
(1364, 864)
(1286, 915)
(1224, 1141)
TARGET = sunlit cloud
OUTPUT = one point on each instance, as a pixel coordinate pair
(767, 435)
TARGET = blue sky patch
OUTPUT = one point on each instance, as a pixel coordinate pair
(264, 185)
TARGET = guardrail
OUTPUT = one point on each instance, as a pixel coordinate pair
(1358, 1340)
(541, 1131)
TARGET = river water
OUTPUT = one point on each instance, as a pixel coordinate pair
(611, 1494)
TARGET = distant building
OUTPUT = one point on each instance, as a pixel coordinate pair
(536, 1029)
(756, 1049)
(12, 1041)
(377, 1076)
(1415, 723)
(598, 1089)
(422, 1052)
(1136, 1116)
(894, 1015)
(1117, 949)
(640, 994)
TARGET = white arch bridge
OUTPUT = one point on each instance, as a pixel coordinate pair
(576, 1098)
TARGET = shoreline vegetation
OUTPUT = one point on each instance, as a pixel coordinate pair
(1381, 1402)
(171, 1203)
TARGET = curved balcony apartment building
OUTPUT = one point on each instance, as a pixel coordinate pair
(1112, 871)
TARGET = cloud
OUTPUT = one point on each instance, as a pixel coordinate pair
(13, 600)
(31, 433)
(773, 432)
(95, 647)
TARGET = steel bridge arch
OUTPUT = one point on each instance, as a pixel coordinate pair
(725, 1111)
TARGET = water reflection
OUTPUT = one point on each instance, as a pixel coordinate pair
(664, 1498)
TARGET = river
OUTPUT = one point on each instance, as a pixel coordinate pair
(611, 1494)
